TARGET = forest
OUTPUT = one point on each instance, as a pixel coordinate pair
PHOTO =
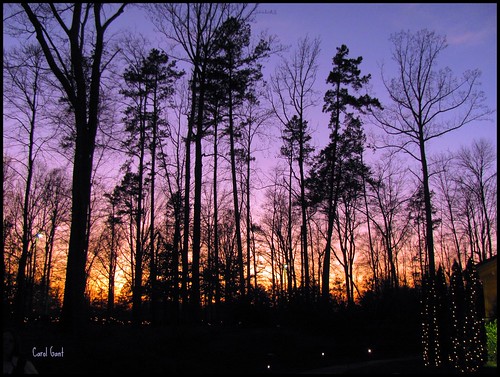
(134, 187)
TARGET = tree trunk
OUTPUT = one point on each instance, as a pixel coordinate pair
(305, 256)
(216, 223)
(291, 267)
(152, 256)
(139, 246)
(198, 178)
(237, 217)
(187, 194)
(20, 298)
(74, 310)
(428, 208)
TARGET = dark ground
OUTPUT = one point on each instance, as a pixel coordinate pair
(412, 365)
(236, 349)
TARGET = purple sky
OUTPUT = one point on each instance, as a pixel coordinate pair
(470, 28)
(471, 31)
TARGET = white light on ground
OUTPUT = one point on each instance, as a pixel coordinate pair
(369, 350)
(322, 354)
(268, 367)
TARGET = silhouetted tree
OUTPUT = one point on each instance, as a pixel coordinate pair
(23, 72)
(457, 310)
(450, 197)
(255, 119)
(172, 159)
(149, 81)
(423, 98)
(389, 202)
(67, 63)
(136, 118)
(432, 347)
(113, 224)
(293, 85)
(196, 28)
(443, 315)
(56, 206)
(350, 149)
(474, 341)
(478, 178)
(237, 74)
(417, 213)
(344, 76)
(129, 205)
(8, 236)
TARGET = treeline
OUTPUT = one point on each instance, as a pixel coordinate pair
(180, 235)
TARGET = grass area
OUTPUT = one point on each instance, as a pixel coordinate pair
(491, 343)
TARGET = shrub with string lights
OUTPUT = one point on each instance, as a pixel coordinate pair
(457, 300)
(443, 314)
(430, 330)
(475, 333)
(452, 319)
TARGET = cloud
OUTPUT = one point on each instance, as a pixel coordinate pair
(469, 37)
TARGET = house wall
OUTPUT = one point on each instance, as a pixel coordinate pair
(488, 274)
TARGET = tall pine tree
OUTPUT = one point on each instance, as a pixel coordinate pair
(345, 78)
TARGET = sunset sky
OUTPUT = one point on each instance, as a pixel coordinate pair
(471, 33)
(470, 28)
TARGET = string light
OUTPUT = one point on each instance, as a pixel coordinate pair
(467, 350)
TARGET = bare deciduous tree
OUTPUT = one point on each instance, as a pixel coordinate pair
(478, 164)
(24, 100)
(293, 86)
(64, 33)
(426, 103)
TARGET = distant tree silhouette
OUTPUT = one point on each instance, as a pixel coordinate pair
(349, 181)
(296, 147)
(113, 233)
(171, 161)
(55, 212)
(421, 96)
(450, 197)
(195, 28)
(293, 85)
(255, 118)
(128, 197)
(24, 71)
(388, 212)
(236, 73)
(416, 212)
(149, 81)
(274, 225)
(477, 163)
